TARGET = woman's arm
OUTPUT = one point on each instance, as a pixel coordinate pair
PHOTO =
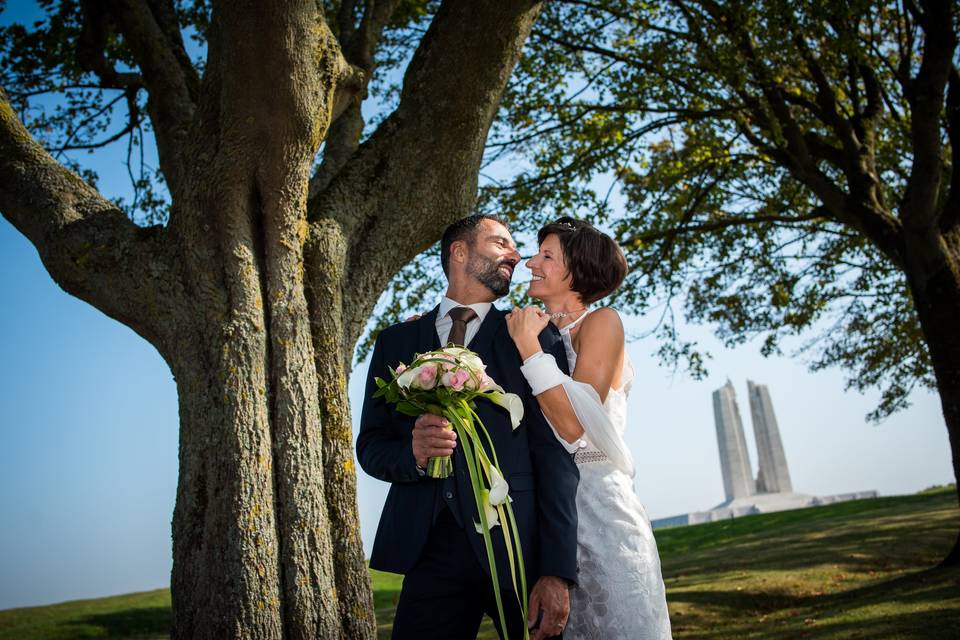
(573, 406)
(600, 352)
(600, 342)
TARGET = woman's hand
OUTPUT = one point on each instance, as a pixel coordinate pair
(524, 325)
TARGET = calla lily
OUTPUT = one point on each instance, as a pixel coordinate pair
(512, 403)
(492, 518)
(406, 377)
(498, 487)
(422, 377)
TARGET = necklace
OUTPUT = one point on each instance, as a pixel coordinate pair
(564, 314)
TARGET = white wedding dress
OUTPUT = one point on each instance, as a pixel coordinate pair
(620, 593)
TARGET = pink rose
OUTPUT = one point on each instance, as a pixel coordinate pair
(486, 382)
(426, 377)
(455, 379)
(448, 362)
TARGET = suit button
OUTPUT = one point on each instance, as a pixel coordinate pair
(449, 495)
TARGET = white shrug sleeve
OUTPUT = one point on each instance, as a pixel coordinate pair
(542, 373)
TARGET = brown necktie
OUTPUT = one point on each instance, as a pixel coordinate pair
(460, 316)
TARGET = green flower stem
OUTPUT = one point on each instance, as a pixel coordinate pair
(514, 532)
(439, 466)
(468, 453)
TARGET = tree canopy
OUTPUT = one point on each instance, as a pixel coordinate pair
(753, 159)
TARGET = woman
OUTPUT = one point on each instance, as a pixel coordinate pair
(620, 592)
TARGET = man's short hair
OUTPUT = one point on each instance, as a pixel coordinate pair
(463, 229)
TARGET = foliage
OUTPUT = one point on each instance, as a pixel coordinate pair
(731, 148)
(76, 86)
(672, 125)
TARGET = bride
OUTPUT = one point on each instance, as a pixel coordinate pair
(620, 592)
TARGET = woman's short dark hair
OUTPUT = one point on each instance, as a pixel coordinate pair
(595, 261)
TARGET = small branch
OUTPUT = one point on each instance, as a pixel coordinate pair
(80, 125)
(719, 225)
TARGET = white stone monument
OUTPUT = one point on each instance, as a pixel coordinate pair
(772, 490)
(734, 459)
(773, 475)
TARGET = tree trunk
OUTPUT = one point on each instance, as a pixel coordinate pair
(934, 281)
(257, 308)
(326, 266)
(253, 556)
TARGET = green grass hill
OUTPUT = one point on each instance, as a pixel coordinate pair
(852, 570)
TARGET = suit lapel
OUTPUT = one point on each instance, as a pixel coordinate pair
(488, 329)
(428, 339)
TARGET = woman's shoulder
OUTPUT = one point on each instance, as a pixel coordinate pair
(602, 326)
(603, 319)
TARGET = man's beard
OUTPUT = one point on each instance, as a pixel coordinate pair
(487, 272)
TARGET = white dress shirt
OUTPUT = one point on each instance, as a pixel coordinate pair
(445, 322)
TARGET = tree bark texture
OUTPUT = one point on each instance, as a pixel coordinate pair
(257, 290)
(934, 279)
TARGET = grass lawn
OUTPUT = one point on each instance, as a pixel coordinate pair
(851, 570)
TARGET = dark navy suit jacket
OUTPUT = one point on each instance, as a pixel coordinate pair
(541, 474)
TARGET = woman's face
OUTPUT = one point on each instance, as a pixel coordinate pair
(551, 278)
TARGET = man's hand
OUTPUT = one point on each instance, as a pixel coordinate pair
(552, 595)
(432, 437)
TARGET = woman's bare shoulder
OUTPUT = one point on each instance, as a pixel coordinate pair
(602, 327)
(603, 319)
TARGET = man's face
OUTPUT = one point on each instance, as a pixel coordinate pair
(492, 256)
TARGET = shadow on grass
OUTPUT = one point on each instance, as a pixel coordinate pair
(923, 604)
(144, 622)
(930, 585)
(860, 545)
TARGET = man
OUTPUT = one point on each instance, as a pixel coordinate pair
(426, 531)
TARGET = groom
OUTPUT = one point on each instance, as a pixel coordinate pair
(426, 531)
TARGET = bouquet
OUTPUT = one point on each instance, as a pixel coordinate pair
(448, 382)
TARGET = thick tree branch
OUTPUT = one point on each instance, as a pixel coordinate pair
(419, 170)
(172, 83)
(358, 46)
(918, 209)
(89, 247)
(719, 225)
(950, 216)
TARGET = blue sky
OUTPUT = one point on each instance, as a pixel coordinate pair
(88, 435)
